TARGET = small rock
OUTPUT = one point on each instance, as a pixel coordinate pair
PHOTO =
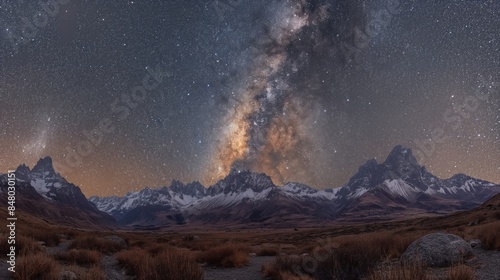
(475, 243)
(41, 243)
(437, 250)
(252, 255)
(304, 255)
(117, 239)
(67, 275)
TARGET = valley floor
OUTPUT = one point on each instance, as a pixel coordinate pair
(250, 272)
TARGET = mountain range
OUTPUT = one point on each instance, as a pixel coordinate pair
(397, 188)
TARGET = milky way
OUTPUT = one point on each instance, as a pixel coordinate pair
(269, 129)
(301, 90)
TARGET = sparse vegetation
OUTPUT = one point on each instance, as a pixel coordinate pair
(351, 257)
(284, 267)
(80, 257)
(346, 262)
(168, 263)
(90, 242)
(461, 272)
(94, 273)
(48, 237)
(232, 255)
(38, 266)
(359, 251)
(351, 260)
(82, 273)
(398, 272)
(24, 246)
(489, 235)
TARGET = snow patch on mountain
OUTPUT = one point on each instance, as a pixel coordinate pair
(299, 190)
(400, 188)
(40, 186)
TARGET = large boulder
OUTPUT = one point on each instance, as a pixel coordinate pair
(437, 249)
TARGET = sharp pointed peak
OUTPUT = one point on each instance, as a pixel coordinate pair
(399, 153)
(44, 164)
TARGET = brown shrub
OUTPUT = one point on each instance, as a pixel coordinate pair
(95, 243)
(94, 273)
(349, 261)
(80, 257)
(167, 264)
(405, 272)
(461, 272)
(49, 237)
(133, 260)
(156, 249)
(195, 245)
(354, 258)
(232, 255)
(384, 244)
(489, 235)
(284, 267)
(24, 246)
(38, 266)
(343, 264)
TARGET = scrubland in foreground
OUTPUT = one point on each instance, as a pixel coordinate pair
(46, 251)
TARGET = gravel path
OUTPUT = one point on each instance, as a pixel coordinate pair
(250, 272)
(4, 273)
(62, 247)
(112, 269)
(487, 264)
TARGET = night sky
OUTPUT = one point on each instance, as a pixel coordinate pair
(128, 94)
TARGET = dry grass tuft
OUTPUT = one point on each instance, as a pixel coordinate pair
(489, 235)
(48, 236)
(133, 260)
(95, 243)
(94, 273)
(350, 261)
(346, 257)
(38, 266)
(392, 245)
(232, 255)
(284, 267)
(167, 264)
(80, 257)
(24, 246)
(461, 272)
(405, 272)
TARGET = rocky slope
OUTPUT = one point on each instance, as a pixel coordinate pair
(44, 193)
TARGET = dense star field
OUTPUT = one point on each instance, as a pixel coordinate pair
(127, 94)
